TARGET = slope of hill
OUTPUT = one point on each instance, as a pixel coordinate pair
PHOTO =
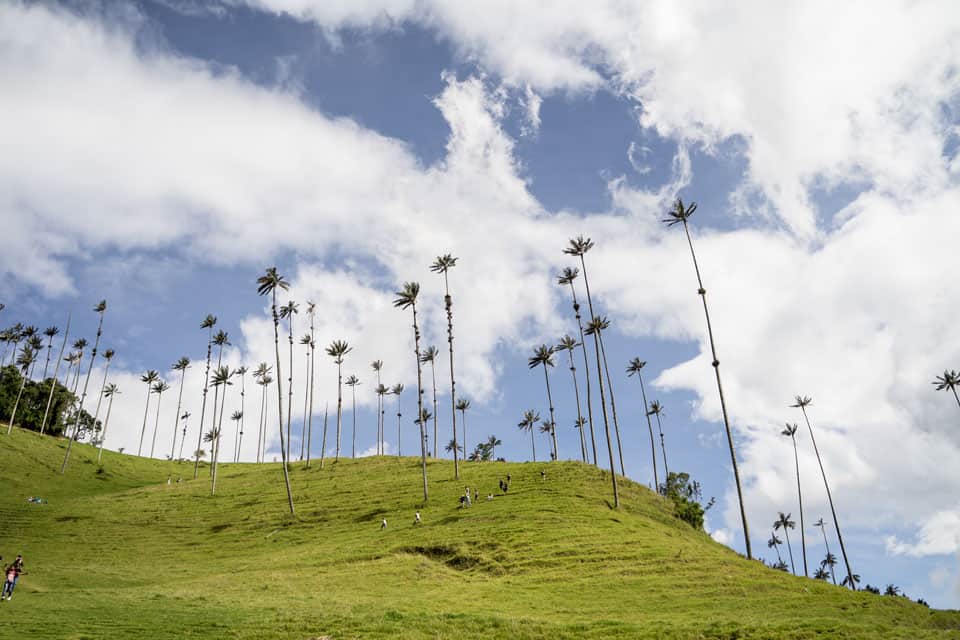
(119, 553)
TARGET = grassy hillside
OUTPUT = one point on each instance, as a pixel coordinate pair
(118, 553)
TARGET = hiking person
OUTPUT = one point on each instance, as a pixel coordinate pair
(11, 574)
(383, 524)
(416, 517)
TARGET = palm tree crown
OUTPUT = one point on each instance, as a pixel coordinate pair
(407, 297)
(679, 213)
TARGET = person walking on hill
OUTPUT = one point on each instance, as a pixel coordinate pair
(11, 575)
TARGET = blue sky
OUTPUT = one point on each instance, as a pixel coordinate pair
(169, 151)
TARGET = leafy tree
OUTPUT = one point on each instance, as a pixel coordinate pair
(567, 277)
(183, 436)
(635, 368)
(784, 522)
(686, 497)
(679, 215)
(337, 350)
(208, 323)
(872, 589)
(791, 431)
(543, 356)
(569, 344)
(442, 265)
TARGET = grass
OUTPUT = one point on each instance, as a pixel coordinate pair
(118, 553)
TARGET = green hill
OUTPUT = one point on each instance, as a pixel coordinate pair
(119, 553)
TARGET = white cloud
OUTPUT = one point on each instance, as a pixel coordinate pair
(939, 535)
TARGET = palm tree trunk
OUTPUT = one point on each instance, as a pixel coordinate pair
(56, 371)
(353, 411)
(310, 418)
(586, 369)
(156, 424)
(143, 430)
(803, 536)
(103, 436)
(448, 303)
(398, 425)
(203, 405)
(306, 405)
(339, 401)
(243, 413)
(833, 511)
(954, 389)
(576, 394)
(653, 450)
(463, 419)
(83, 397)
(216, 398)
(786, 534)
(613, 404)
(606, 424)
(283, 451)
(827, 545)
(103, 385)
(13, 414)
(433, 373)
(46, 364)
(216, 440)
(423, 442)
(379, 417)
(663, 448)
(779, 557)
(290, 386)
(533, 444)
(323, 443)
(263, 401)
(723, 403)
(553, 423)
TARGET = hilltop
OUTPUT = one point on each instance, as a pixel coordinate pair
(118, 553)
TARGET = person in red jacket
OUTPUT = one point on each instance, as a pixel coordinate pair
(11, 575)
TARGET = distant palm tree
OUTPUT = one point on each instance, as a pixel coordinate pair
(529, 421)
(306, 341)
(221, 339)
(852, 580)
(569, 343)
(56, 373)
(312, 311)
(108, 356)
(406, 298)
(547, 427)
(593, 328)
(422, 420)
(774, 543)
(451, 446)
(821, 574)
(261, 374)
(287, 312)
(221, 378)
(268, 283)
(442, 265)
(336, 350)
(180, 365)
(430, 355)
(791, 431)
(635, 368)
(237, 416)
(823, 529)
(784, 522)
(656, 409)
(462, 405)
(149, 378)
(579, 425)
(949, 380)
(567, 277)
(35, 342)
(183, 436)
(24, 361)
(242, 372)
(802, 402)
(377, 366)
(79, 345)
(493, 442)
(397, 390)
(109, 391)
(50, 332)
(208, 323)
(352, 382)
(543, 356)
(679, 215)
(159, 387)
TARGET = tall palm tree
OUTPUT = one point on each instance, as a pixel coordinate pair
(949, 380)
(802, 402)
(268, 283)
(830, 561)
(208, 323)
(657, 409)
(352, 382)
(109, 391)
(462, 405)
(579, 425)
(180, 365)
(108, 356)
(79, 345)
(442, 265)
(421, 422)
(159, 387)
(237, 416)
(679, 215)
(337, 350)
(567, 277)
(312, 311)
(262, 446)
(601, 326)
(25, 360)
(377, 365)
(430, 355)
(242, 372)
(543, 356)
(791, 431)
(183, 436)
(593, 328)
(823, 529)
(397, 390)
(149, 377)
(211, 437)
(407, 299)
(493, 442)
(35, 342)
(260, 374)
(569, 344)
(221, 339)
(221, 378)
(784, 522)
(852, 580)
(451, 446)
(547, 427)
(307, 342)
(56, 372)
(635, 368)
(527, 423)
(287, 312)
(774, 543)
(50, 332)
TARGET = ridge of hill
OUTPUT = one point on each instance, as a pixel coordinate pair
(116, 552)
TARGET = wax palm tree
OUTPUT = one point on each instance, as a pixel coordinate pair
(462, 405)
(784, 522)
(108, 356)
(451, 446)
(35, 342)
(774, 543)
(442, 265)
(221, 339)
(108, 392)
(237, 416)
(580, 423)
(79, 345)
(312, 312)
(791, 431)
(180, 365)
(830, 561)
(635, 368)
(821, 574)
(568, 277)
(211, 437)
(56, 373)
(430, 355)
(50, 332)
(149, 377)
(656, 409)
(337, 350)
(493, 442)
(679, 215)
(422, 420)
(600, 327)
(221, 378)
(397, 390)
(208, 323)
(307, 342)
(593, 329)
(260, 374)
(352, 382)
(242, 372)
(24, 361)
(569, 344)
(823, 529)
(183, 436)
(547, 427)
(950, 380)
(407, 299)
(287, 312)
(268, 284)
(159, 387)
(543, 356)
(852, 580)
(528, 423)
(377, 366)
(802, 402)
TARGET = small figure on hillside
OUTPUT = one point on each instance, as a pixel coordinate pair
(543, 475)
(476, 495)
(500, 483)
(416, 518)
(169, 481)
(383, 524)
(11, 575)
(467, 496)
(489, 497)
(508, 478)
(464, 502)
